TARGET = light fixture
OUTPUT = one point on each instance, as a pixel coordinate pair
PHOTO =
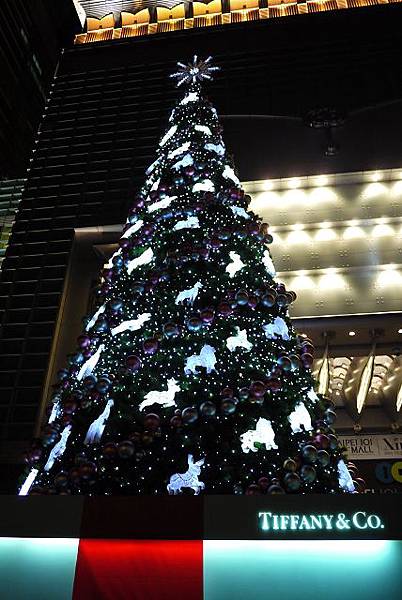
(321, 180)
(399, 330)
(374, 189)
(267, 185)
(381, 230)
(389, 275)
(352, 333)
(294, 183)
(365, 381)
(376, 176)
(323, 373)
(353, 232)
(399, 399)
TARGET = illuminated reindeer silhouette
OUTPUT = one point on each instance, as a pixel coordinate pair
(189, 479)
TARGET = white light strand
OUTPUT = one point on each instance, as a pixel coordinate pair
(277, 329)
(262, 434)
(96, 428)
(189, 223)
(55, 412)
(219, 149)
(132, 325)
(186, 161)
(168, 135)
(203, 129)
(145, 258)
(239, 340)
(180, 150)
(133, 229)
(153, 166)
(300, 417)
(58, 449)
(165, 398)
(26, 486)
(239, 212)
(109, 264)
(161, 204)
(344, 478)
(206, 358)
(236, 264)
(190, 294)
(92, 322)
(204, 186)
(90, 364)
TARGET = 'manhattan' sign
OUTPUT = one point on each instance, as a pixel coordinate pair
(357, 521)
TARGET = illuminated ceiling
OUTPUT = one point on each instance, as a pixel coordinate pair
(115, 19)
(383, 390)
(100, 8)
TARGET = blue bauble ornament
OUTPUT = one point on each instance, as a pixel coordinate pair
(194, 324)
(101, 325)
(89, 382)
(62, 374)
(77, 359)
(242, 297)
(103, 384)
(116, 304)
(170, 330)
(118, 261)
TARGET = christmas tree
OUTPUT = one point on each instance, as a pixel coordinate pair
(189, 377)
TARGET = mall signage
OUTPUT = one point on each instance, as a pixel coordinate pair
(372, 447)
(356, 521)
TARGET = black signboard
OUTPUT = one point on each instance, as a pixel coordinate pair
(274, 517)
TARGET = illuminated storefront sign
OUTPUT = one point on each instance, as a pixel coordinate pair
(369, 447)
(359, 520)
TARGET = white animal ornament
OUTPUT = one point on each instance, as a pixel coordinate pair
(189, 223)
(189, 479)
(165, 399)
(299, 418)
(206, 358)
(239, 340)
(58, 449)
(132, 325)
(97, 428)
(269, 265)
(190, 294)
(262, 434)
(90, 364)
(235, 265)
(277, 328)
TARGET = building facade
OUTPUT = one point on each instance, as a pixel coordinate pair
(32, 35)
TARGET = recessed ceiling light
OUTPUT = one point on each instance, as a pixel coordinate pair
(267, 185)
(321, 180)
(352, 333)
(294, 183)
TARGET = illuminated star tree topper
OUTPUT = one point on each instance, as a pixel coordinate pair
(196, 70)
